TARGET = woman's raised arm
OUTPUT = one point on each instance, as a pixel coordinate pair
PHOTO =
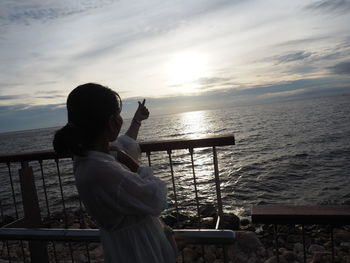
(141, 114)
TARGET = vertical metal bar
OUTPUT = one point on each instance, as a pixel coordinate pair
(12, 189)
(87, 251)
(195, 187)
(225, 254)
(71, 251)
(332, 241)
(174, 188)
(304, 244)
(22, 250)
(38, 249)
(83, 225)
(54, 251)
(217, 181)
(82, 220)
(8, 251)
(6, 242)
(149, 158)
(64, 206)
(276, 242)
(44, 186)
(62, 196)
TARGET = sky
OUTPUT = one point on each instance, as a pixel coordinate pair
(179, 55)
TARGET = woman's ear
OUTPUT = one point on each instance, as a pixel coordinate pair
(114, 125)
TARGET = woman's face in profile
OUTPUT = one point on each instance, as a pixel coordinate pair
(116, 125)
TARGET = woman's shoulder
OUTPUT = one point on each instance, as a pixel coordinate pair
(96, 167)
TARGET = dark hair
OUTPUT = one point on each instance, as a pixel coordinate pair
(89, 108)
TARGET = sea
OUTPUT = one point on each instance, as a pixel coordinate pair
(290, 152)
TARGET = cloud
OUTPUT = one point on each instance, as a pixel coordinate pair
(333, 6)
(51, 97)
(302, 41)
(342, 68)
(25, 12)
(11, 97)
(213, 80)
(290, 57)
(48, 91)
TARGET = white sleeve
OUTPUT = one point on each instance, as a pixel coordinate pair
(142, 193)
(135, 194)
(129, 145)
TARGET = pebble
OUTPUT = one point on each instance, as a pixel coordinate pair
(298, 248)
(274, 260)
(315, 248)
(322, 257)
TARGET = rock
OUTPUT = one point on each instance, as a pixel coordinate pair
(210, 249)
(82, 258)
(342, 235)
(248, 242)
(345, 244)
(274, 260)
(208, 222)
(328, 244)
(60, 247)
(322, 257)
(207, 210)
(298, 248)
(219, 252)
(315, 248)
(252, 260)
(290, 256)
(237, 256)
(169, 220)
(189, 254)
(261, 252)
(230, 221)
(281, 242)
(249, 228)
(210, 257)
(75, 226)
(346, 259)
(245, 222)
(294, 238)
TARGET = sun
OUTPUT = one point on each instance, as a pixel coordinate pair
(184, 68)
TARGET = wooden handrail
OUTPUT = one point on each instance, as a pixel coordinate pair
(311, 214)
(188, 236)
(151, 146)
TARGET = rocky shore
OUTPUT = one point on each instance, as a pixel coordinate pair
(254, 244)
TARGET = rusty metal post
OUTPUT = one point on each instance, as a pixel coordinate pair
(217, 182)
(38, 249)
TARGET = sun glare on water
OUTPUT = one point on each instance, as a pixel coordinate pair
(184, 68)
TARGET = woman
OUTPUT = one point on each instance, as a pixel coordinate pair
(124, 198)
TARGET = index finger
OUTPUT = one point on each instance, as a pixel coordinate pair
(143, 102)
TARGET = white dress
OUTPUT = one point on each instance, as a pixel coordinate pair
(125, 205)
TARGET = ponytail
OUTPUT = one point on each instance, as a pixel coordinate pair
(70, 141)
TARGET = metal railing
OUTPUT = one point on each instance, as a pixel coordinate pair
(302, 216)
(44, 176)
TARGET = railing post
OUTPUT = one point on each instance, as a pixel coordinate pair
(38, 250)
(217, 181)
